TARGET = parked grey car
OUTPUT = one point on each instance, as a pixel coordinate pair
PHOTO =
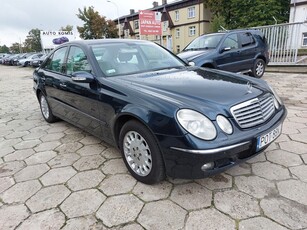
(234, 51)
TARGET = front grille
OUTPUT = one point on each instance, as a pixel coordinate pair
(254, 112)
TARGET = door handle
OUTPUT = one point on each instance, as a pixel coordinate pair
(63, 85)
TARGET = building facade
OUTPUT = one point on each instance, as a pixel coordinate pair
(298, 13)
(181, 22)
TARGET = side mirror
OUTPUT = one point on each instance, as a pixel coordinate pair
(82, 77)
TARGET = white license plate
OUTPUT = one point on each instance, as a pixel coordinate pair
(268, 138)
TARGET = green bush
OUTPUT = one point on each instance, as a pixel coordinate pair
(302, 52)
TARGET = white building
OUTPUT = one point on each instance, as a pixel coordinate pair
(298, 13)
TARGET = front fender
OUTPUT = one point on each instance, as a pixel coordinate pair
(156, 121)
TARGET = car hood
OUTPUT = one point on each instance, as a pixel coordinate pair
(192, 54)
(195, 88)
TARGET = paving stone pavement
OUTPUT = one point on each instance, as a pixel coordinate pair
(56, 176)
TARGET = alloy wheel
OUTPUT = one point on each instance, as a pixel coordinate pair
(259, 69)
(44, 107)
(137, 153)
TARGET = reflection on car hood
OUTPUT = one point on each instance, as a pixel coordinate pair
(190, 55)
(195, 87)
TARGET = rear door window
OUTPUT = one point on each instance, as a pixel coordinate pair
(55, 63)
(247, 39)
(77, 61)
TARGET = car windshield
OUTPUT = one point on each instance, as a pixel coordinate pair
(124, 58)
(205, 42)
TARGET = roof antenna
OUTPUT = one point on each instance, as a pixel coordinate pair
(223, 28)
(274, 20)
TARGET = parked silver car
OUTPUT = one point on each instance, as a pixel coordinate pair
(26, 61)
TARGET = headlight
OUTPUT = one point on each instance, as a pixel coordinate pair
(196, 124)
(279, 101)
(224, 124)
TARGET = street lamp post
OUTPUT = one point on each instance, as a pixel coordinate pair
(117, 16)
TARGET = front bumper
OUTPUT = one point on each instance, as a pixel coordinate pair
(187, 163)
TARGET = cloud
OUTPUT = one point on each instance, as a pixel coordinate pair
(18, 17)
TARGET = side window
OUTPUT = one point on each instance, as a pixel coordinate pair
(247, 39)
(231, 41)
(56, 61)
(77, 61)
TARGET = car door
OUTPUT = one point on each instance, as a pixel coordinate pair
(80, 99)
(229, 54)
(71, 101)
(52, 73)
(248, 50)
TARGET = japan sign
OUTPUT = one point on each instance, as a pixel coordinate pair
(150, 22)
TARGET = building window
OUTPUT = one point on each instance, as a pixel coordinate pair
(191, 12)
(192, 31)
(177, 32)
(177, 15)
(136, 24)
(304, 39)
(165, 26)
(126, 33)
(178, 49)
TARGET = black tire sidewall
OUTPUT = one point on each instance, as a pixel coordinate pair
(157, 172)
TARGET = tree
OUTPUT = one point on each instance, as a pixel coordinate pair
(110, 30)
(33, 41)
(220, 8)
(249, 13)
(95, 26)
(217, 23)
(67, 28)
(16, 48)
(4, 49)
(252, 13)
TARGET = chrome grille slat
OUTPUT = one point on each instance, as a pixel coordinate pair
(248, 111)
(247, 108)
(247, 121)
(254, 112)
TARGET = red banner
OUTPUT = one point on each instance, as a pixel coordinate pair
(150, 22)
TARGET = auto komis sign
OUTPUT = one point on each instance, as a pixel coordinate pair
(51, 39)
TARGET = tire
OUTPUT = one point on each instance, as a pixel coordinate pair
(258, 68)
(141, 153)
(45, 109)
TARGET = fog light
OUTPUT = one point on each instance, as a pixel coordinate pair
(224, 124)
(207, 166)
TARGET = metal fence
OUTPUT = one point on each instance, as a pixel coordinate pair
(283, 40)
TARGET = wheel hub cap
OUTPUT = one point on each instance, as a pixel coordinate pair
(44, 106)
(259, 69)
(137, 153)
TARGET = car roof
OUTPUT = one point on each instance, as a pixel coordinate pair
(234, 31)
(105, 41)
